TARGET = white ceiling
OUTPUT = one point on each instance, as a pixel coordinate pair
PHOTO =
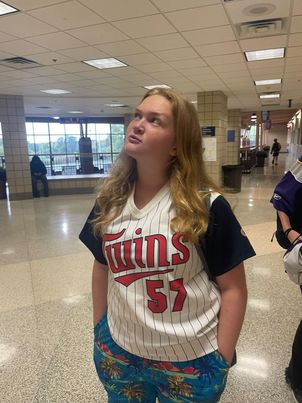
(191, 45)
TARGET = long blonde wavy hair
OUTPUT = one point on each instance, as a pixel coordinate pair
(187, 175)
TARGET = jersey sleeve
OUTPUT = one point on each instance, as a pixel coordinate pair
(226, 244)
(93, 243)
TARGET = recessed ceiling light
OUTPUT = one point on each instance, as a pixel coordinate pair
(264, 54)
(6, 9)
(74, 112)
(105, 63)
(56, 117)
(267, 96)
(268, 82)
(56, 91)
(150, 87)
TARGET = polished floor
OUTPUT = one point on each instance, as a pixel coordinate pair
(45, 301)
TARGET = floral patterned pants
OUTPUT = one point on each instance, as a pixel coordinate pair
(130, 378)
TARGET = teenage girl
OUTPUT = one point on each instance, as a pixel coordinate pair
(164, 329)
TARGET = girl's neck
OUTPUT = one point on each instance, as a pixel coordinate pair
(146, 189)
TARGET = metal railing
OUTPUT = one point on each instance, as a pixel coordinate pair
(70, 164)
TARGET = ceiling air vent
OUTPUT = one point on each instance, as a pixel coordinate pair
(258, 29)
(19, 63)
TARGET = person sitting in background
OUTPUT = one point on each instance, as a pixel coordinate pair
(38, 173)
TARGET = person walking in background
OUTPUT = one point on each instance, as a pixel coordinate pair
(164, 328)
(287, 200)
(276, 147)
(38, 173)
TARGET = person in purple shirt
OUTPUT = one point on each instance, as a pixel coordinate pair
(287, 200)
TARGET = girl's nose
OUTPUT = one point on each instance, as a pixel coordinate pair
(138, 126)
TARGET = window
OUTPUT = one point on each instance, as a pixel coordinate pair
(57, 144)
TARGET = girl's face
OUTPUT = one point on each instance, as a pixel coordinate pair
(150, 135)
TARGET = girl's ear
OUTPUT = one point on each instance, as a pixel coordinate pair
(173, 151)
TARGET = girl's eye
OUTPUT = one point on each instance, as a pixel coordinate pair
(155, 121)
(137, 116)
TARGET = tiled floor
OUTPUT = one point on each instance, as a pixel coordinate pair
(45, 301)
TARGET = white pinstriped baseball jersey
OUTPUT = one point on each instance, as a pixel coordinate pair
(161, 304)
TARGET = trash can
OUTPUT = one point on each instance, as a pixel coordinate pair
(232, 177)
(260, 155)
(3, 194)
(266, 149)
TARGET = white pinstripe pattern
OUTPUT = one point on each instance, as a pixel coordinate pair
(172, 336)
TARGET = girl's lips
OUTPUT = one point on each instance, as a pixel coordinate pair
(134, 139)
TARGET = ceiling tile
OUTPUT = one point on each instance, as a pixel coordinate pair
(177, 54)
(209, 35)
(5, 37)
(296, 25)
(170, 5)
(294, 51)
(74, 67)
(142, 58)
(182, 64)
(268, 42)
(24, 26)
(83, 53)
(293, 61)
(155, 67)
(199, 72)
(67, 15)
(232, 74)
(163, 42)
(56, 41)
(113, 10)
(293, 68)
(262, 64)
(96, 34)
(30, 4)
(145, 26)
(224, 48)
(114, 49)
(166, 75)
(21, 47)
(297, 10)
(225, 59)
(230, 67)
(295, 39)
(196, 18)
(44, 71)
(49, 58)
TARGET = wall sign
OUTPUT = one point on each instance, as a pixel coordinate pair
(231, 136)
(208, 131)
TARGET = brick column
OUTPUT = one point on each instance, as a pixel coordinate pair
(233, 136)
(15, 147)
(212, 112)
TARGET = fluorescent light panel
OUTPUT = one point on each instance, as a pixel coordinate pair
(264, 54)
(74, 112)
(268, 82)
(267, 96)
(150, 87)
(105, 63)
(56, 91)
(6, 9)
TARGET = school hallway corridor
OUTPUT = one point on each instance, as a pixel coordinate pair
(45, 301)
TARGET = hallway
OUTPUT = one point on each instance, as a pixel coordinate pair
(45, 301)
